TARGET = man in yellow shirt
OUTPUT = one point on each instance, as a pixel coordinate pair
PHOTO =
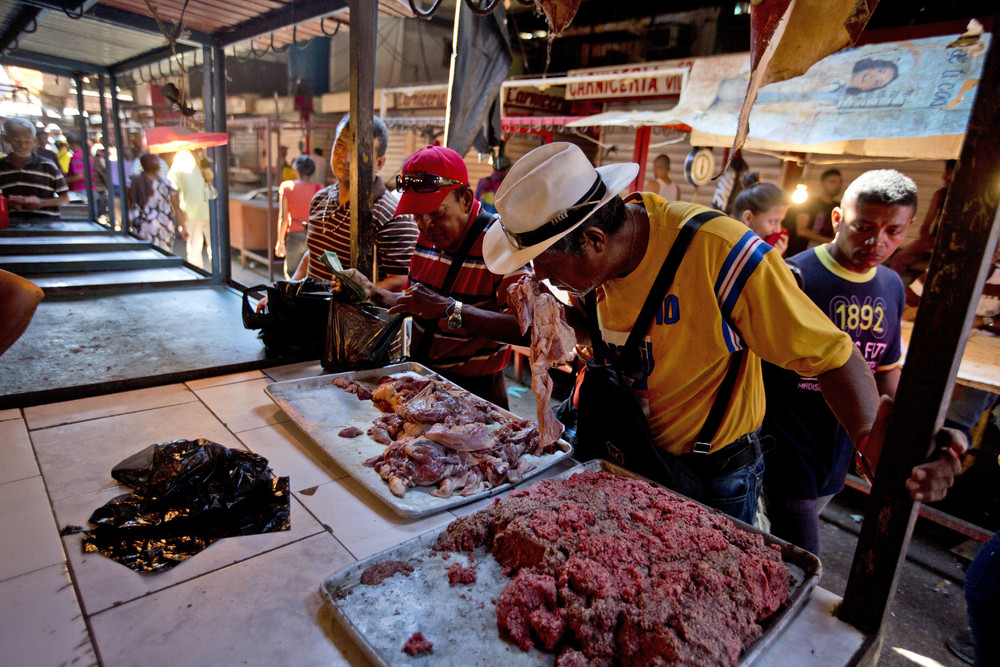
(730, 293)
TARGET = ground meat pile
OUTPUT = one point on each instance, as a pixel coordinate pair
(374, 575)
(460, 574)
(417, 644)
(609, 570)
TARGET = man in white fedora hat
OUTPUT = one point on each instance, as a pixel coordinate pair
(730, 293)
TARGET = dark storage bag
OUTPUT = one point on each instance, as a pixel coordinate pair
(296, 317)
(359, 336)
(612, 426)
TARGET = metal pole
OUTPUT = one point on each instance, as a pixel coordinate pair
(270, 205)
(364, 17)
(207, 108)
(82, 125)
(220, 228)
(120, 144)
(106, 138)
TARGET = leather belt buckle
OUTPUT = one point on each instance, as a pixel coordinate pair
(701, 448)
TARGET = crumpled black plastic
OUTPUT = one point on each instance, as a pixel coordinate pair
(188, 494)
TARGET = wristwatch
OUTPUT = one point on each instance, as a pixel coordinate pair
(987, 322)
(454, 313)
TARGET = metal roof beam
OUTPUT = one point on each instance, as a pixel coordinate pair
(123, 19)
(51, 64)
(288, 15)
(149, 57)
(24, 17)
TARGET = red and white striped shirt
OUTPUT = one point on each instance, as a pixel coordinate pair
(459, 352)
(329, 228)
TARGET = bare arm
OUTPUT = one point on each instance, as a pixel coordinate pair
(303, 268)
(18, 300)
(651, 186)
(284, 220)
(428, 304)
(175, 204)
(852, 394)
(393, 283)
(803, 227)
(887, 381)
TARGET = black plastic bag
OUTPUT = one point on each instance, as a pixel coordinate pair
(611, 425)
(188, 494)
(358, 336)
(296, 316)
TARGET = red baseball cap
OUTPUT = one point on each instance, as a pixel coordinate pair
(435, 171)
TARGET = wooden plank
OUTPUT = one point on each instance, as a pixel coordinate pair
(363, 22)
(958, 269)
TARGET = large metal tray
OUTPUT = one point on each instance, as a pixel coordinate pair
(460, 621)
(322, 410)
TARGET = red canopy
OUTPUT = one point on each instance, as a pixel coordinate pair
(170, 139)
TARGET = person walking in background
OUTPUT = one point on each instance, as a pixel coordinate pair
(293, 212)
(661, 183)
(42, 150)
(63, 155)
(813, 224)
(75, 177)
(487, 187)
(185, 175)
(762, 207)
(321, 162)
(154, 208)
(911, 260)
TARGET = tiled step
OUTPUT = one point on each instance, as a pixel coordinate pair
(63, 227)
(69, 243)
(74, 282)
(31, 265)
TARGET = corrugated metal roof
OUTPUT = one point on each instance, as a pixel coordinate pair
(114, 34)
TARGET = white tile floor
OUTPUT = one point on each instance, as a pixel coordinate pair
(250, 600)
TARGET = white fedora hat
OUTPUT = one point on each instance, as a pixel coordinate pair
(547, 194)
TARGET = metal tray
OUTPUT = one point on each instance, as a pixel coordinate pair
(322, 410)
(461, 622)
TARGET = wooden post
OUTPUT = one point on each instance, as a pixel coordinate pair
(962, 255)
(640, 153)
(364, 15)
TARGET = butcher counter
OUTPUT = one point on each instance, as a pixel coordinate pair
(244, 600)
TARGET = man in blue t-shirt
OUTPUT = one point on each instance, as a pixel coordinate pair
(846, 280)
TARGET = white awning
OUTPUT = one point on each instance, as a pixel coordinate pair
(898, 99)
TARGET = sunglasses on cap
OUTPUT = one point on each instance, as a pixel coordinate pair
(425, 183)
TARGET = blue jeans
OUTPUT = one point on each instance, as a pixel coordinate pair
(735, 493)
(982, 597)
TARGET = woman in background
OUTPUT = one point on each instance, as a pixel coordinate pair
(294, 197)
(154, 206)
(762, 207)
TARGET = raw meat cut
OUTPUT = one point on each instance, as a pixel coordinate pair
(611, 570)
(416, 644)
(440, 435)
(552, 343)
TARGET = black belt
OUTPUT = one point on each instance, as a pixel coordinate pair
(727, 459)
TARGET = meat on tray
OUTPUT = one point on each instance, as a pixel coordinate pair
(437, 434)
(552, 343)
(416, 644)
(610, 570)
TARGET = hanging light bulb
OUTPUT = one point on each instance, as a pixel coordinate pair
(801, 193)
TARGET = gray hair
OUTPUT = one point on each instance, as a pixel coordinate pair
(881, 186)
(14, 124)
(381, 132)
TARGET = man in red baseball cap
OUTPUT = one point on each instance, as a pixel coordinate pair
(459, 306)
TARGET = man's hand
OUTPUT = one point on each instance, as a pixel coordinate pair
(423, 302)
(371, 291)
(930, 481)
(183, 233)
(31, 203)
(279, 248)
